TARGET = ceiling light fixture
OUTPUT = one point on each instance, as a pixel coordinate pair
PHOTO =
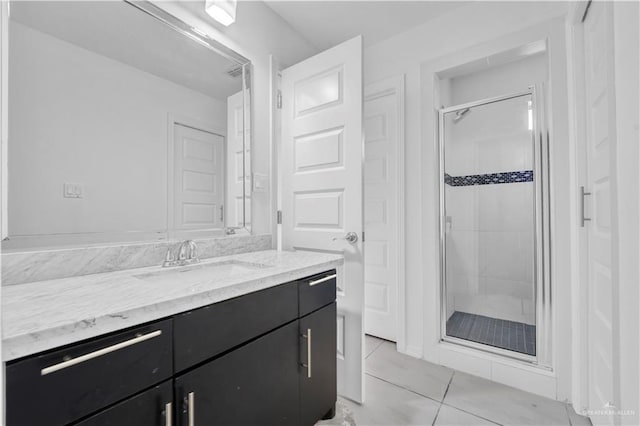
(223, 11)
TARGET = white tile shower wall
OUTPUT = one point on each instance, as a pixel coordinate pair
(30, 266)
(490, 260)
(490, 237)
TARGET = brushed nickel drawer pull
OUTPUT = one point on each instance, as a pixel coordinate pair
(308, 364)
(321, 280)
(98, 353)
(168, 411)
(192, 408)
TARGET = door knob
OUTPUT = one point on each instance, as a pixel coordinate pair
(350, 237)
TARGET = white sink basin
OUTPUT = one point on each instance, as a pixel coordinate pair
(201, 271)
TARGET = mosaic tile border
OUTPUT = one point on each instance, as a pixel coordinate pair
(490, 178)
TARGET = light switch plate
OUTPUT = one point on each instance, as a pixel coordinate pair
(260, 182)
(72, 190)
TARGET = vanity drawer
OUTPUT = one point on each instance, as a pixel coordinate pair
(207, 332)
(149, 408)
(70, 383)
(316, 291)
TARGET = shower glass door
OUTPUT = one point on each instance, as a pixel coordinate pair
(491, 225)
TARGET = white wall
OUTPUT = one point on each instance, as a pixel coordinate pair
(473, 31)
(501, 79)
(257, 33)
(108, 132)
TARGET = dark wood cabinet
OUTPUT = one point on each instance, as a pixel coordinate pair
(318, 378)
(265, 358)
(152, 407)
(206, 332)
(256, 384)
(65, 385)
(316, 291)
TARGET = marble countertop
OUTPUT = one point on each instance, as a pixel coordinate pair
(44, 315)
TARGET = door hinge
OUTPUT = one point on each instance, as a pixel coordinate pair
(279, 99)
(363, 236)
(279, 217)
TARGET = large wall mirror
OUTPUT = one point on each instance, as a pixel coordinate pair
(125, 124)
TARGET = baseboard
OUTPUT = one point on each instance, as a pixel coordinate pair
(413, 351)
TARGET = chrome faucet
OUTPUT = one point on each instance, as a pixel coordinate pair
(231, 230)
(186, 254)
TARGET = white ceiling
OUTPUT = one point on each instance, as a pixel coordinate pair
(121, 32)
(328, 23)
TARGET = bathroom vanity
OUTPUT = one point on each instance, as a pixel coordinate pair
(260, 348)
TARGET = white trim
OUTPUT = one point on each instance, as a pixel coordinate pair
(275, 124)
(414, 351)
(396, 85)
(579, 300)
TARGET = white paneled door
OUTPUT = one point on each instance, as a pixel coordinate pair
(322, 189)
(601, 229)
(383, 134)
(198, 173)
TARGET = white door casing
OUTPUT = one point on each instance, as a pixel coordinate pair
(198, 179)
(322, 183)
(384, 254)
(600, 208)
(238, 200)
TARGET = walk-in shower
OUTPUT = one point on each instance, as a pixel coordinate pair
(493, 180)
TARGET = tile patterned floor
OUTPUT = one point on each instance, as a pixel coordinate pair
(511, 335)
(402, 390)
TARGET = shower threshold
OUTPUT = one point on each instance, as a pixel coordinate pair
(509, 335)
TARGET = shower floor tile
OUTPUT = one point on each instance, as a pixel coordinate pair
(511, 335)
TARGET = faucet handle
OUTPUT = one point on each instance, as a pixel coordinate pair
(193, 250)
(169, 256)
(182, 252)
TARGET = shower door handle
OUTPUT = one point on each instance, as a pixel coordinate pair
(583, 194)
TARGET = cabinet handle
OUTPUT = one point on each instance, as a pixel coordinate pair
(321, 280)
(191, 409)
(583, 194)
(168, 412)
(308, 364)
(98, 353)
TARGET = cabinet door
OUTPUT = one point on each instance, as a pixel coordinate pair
(153, 407)
(73, 382)
(318, 354)
(256, 384)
